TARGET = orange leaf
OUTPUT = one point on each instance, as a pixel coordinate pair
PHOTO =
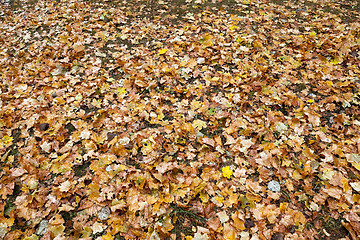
(229, 233)
(238, 223)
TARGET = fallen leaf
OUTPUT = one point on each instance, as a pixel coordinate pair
(163, 51)
(227, 172)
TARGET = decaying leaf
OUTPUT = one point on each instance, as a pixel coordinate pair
(187, 119)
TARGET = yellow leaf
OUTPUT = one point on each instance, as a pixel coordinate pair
(162, 51)
(227, 172)
(63, 39)
(57, 229)
(356, 198)
(121, 92)
(140, 181)
(233, 27)
(220, 199)
(297, 175)
(108, 236)
(78, 97)
(204, 197)
(96, 102)
(335, 61)
(283, 207)
(329, 83)
(160, 116)
(86, 232)
(297, 64)
(206, 41)
(199, 188)
(32, 237)
(345, 183)
(6, 140)
(239, 39)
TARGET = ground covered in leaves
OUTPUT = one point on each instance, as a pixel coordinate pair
(179, 120)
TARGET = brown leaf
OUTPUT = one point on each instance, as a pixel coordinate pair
(214, 223)
(209, 141)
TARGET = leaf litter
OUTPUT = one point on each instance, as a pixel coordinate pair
(179, 120)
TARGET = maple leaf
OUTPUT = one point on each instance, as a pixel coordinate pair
(199, 124)
(227, 172)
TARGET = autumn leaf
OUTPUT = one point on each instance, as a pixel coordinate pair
(227, 172)
(354, 159)
(114, 121)
(78, 47)
(163, 51)
(46, 147)
(65, 186)
(6, 141)
(199, 124)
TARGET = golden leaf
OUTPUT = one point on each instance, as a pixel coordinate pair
(204, 197)
(108, 236)
(6, 140)
(238, 223)
(283, 206)
(227, 172)
(32, 237)
(162, 51)
(229, 233)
